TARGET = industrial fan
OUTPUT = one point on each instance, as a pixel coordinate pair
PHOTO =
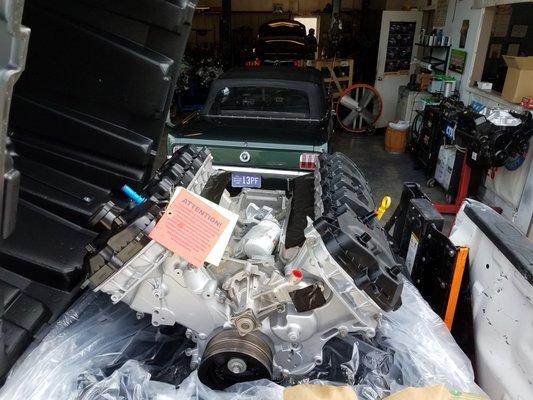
(359, 107)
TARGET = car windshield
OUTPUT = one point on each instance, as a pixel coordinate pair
(282, 28)
(257, 101)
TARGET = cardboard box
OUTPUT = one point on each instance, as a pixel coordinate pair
(519, 80)
(319, 392)
(438, 392)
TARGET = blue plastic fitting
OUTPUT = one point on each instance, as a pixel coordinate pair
(132, 194)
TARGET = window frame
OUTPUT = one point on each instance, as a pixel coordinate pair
(488, 8)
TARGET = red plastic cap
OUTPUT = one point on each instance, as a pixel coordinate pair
(298, 274)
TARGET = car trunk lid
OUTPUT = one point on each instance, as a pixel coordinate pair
(277, 46)
(266, 143)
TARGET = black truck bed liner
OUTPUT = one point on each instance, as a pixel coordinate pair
(87, 116)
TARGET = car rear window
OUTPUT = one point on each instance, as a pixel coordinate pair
(261, 101)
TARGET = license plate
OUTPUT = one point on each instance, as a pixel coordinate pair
(243, 180)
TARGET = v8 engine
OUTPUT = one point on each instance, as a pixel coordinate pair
(303, 266)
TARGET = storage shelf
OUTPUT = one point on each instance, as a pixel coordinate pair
(439, 64)
(434, 60)
(437, 46)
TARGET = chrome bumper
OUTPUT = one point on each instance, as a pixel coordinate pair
(264, 172)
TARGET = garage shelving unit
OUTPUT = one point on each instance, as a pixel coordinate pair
(438, 64)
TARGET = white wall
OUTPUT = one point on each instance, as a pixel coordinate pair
(454, 20)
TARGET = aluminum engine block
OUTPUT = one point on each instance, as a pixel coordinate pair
(266, 311)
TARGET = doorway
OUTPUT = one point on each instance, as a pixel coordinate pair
(310, 23)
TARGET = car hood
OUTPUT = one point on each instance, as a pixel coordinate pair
(308, 133)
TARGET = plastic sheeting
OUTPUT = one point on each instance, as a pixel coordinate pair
(100, 351)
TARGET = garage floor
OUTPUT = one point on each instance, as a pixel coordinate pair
(385, 172)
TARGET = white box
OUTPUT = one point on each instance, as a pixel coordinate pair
(484, 85)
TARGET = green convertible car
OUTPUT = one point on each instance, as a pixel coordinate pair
(261, 124)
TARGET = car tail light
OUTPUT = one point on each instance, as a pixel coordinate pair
(253, 63)
(308, 161)
(296, 63)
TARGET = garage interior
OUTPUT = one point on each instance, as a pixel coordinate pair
(327, 199)
(223, 35)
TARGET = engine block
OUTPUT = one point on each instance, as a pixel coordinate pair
(267, 309)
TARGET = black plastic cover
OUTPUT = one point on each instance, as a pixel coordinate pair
(422, 218)
(433, 270)
(302, 189)
(365, 255)
(26, 308)
(89, 110)
(352, 234)
(86, 118)
(342, 183)
(178, 170)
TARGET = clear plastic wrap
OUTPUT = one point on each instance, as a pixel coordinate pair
(100, 351)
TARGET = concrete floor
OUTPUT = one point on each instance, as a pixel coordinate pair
(385, 172)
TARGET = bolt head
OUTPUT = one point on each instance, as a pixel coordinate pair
(237, 365)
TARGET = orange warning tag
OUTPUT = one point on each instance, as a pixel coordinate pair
(190, 227)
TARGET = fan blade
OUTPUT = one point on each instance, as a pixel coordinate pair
(349, 118)
(349, 102)
(367, 116)
(367, 98)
